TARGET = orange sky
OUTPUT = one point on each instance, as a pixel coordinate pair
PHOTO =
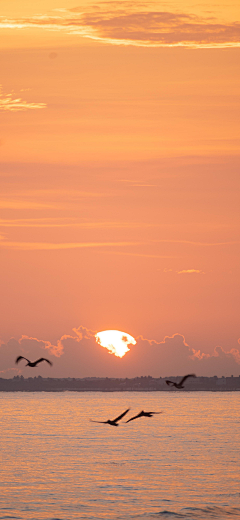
(119, 171)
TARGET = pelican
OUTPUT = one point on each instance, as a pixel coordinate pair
(142, 414)
(114, 421)
(180, 384)
(32, 363)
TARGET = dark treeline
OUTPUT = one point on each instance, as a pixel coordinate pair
(97, 384)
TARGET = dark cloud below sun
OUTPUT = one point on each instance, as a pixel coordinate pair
(80, 355)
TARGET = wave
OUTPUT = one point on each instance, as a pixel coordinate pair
(199, 513)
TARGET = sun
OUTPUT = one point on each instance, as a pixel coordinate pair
(115, 341)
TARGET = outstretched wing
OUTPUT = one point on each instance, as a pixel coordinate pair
(142, 414)
(19, 359)
(120, 416)
(185, 377)
(100, 422)
(169, 383)
(135, 417)
(43, 359)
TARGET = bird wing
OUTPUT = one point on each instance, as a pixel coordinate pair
(120, 416)
(185, 377)
(141, 414)
(43, 359)
(135, 417)
(100, 422)
(169, 383)
(19, 359)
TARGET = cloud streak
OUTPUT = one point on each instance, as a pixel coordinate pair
(47, 246)
(191, 271)
(69, 222)
(25, 204)
(120, 24)
(192, 243)
(11, 104)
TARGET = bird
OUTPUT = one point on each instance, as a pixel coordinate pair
(114, 421)
(142, 414)
(32, 363)
(180, 384)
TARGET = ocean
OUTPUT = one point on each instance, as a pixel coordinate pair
(181, 464)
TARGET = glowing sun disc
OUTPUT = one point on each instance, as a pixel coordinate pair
(115, 341)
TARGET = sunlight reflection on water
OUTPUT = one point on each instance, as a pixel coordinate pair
(56, 464)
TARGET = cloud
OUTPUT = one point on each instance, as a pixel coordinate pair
(163, 29)
(47, 246)
(32, 348)
(191, 243)
(79, 355)
(25, 204)
(143, 255)
(9, 103)
(26, 343)
(122, 24)
(191, 271)
(69, 222)
(48, 198)
(183, 271)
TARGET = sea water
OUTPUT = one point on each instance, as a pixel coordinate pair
(181, 464)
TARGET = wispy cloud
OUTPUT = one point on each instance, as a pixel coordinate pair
(12, 104)
(41, 199)
(144, 255)
(26, 204)
(191, 271)
(193, 243)
(117, 23)
(37, 246)
(69, 222)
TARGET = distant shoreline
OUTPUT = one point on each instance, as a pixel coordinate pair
(60, 391)
(138, 384)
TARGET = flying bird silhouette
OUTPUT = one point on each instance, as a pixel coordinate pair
(114, 421)
(32, 363)
(142, 414)
(180, 384)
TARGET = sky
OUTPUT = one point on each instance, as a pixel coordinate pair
(119, 186)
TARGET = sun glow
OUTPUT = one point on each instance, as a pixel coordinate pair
(115, 341)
